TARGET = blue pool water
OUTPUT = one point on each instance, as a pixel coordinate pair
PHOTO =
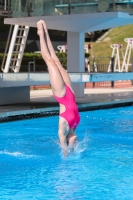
(32, 167)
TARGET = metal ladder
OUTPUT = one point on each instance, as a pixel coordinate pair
(115, 53)
(16, 49)
(126, 60)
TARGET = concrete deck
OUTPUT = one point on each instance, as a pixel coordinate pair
(42, 102)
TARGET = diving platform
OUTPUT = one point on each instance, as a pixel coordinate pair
(15, 87)
(76, 22)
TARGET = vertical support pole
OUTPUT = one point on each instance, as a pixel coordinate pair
(75, 58)
(112, 70)
(132, 71)
(8, 8)
(34, 66)
(5, 4)
(69, 7)
(93, 68)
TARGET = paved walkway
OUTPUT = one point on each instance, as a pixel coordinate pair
(91, 95)
(42, 102)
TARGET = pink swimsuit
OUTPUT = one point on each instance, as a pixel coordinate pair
(71, 114)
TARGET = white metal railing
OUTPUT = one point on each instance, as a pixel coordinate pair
(27, 79)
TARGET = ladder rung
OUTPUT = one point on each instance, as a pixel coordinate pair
(11, 66)
(18, 44)
(17, 52)
(23, 29)
(21, 37)
(15, 59)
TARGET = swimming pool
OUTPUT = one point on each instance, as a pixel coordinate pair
(31, 165)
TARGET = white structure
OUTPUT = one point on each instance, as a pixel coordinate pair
(63, 48)
(16, 48)
(116, 48)
(127, 55)
(76, 26)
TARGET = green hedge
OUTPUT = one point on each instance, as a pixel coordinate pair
(40, 64)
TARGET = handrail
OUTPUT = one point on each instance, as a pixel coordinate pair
(7, 46)
(89, 4)
(27, 79)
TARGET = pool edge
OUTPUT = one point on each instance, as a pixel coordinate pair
(44, 112)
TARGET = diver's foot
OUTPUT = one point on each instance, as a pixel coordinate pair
(44, 24)
(40, 28)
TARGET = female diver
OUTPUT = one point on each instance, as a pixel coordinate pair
(62, 89)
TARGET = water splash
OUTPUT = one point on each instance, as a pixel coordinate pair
(11, 153)
(16, 154)
(80, 147)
